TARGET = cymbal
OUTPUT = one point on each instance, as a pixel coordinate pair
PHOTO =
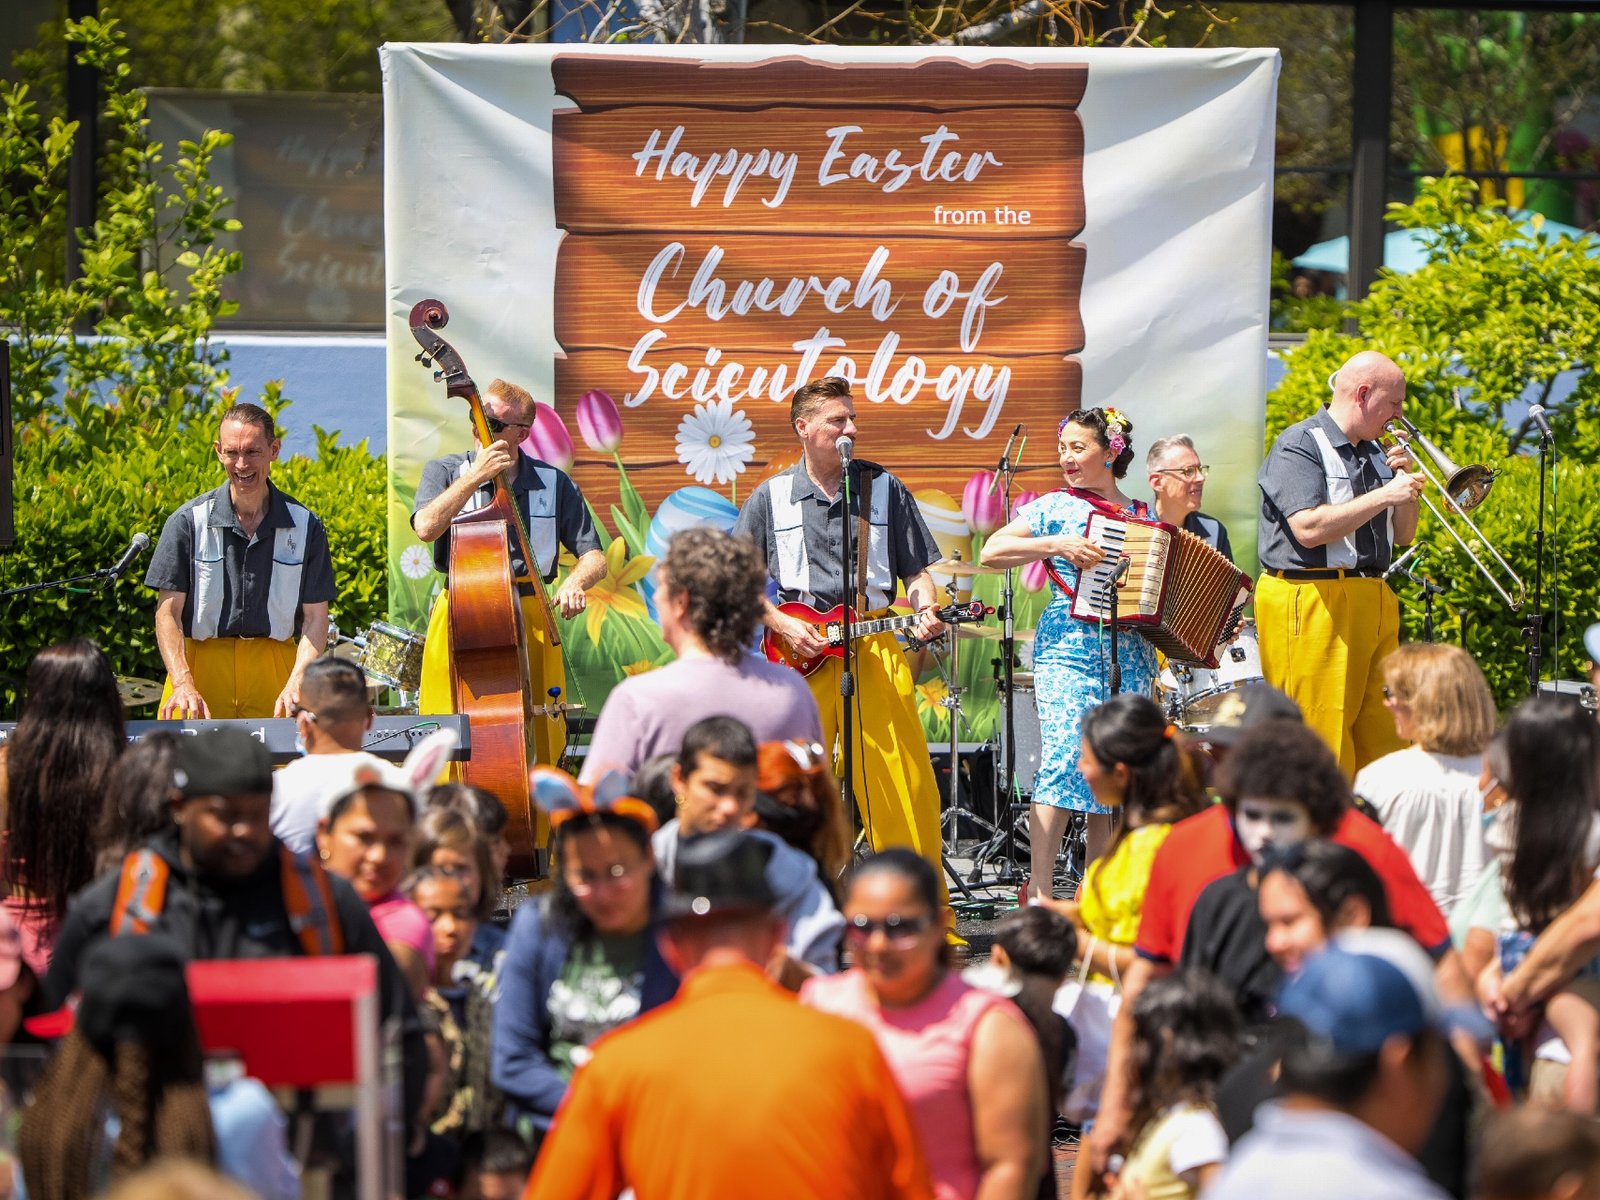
(990, 633)
(961, 567)
(136, 692)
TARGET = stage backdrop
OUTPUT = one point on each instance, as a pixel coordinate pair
(662, 244)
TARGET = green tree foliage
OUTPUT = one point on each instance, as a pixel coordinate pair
(1497, 310)
(114, 429)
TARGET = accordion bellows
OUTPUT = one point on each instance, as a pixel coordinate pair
(1180, 594)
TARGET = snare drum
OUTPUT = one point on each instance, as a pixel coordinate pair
(1025, 724)
(393, 657)
(1193, 694)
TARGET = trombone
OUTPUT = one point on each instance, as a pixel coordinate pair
(1463, 489)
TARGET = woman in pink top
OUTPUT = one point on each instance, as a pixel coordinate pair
(966, 1060)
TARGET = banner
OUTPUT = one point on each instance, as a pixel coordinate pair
(662, 244)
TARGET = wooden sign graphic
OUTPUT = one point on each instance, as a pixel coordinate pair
(732, 230)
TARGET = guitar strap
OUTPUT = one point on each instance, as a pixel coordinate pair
(863, 495)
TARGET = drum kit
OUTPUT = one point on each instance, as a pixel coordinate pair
(390, 657)
(1190, 696)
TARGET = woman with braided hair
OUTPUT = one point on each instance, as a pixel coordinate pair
(127, 1085)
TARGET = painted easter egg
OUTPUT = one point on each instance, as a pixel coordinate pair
(686, 508)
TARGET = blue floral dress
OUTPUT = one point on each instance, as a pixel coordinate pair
(1072, 661)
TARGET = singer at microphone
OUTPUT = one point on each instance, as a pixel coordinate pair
(796, 518)
(244, 580)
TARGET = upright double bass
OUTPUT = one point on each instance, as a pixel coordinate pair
(488, 643)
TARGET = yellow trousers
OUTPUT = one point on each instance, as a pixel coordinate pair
(545, 670)
(896, 792)
(1322, 642)
(238, 677)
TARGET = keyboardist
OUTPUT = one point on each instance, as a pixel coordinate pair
(333, 720)
(1071, 657)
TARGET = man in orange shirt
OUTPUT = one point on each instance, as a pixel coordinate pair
(731, 1089)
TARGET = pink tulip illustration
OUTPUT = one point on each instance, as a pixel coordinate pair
(1033, 577)
(599, 422)
(1019, 500)
(983, 511)
(549, 439)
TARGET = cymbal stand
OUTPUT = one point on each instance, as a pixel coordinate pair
(952, 705)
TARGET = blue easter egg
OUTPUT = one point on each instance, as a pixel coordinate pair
(686, 508)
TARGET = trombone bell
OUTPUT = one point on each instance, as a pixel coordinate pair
(1466, 486)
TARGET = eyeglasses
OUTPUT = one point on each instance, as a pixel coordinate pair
(899, 930)
(1188, 474)
(615, 876)
(1391, 696)
(496, 425)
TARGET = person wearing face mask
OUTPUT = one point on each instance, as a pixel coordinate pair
(714, 781)
(331, 722)
(1280, 785)
(1178, 480)
(798, 801)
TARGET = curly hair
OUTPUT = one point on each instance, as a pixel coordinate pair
(1187, 1032)
(67, 740)
(723, 580)
(1094, 419)
(1282, 759)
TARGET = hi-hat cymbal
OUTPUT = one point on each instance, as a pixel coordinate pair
(960, 567)
(136, 693)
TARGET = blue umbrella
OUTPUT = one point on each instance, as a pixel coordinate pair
(1403, 250)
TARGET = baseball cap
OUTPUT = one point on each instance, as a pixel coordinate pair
(131, 989)
(222, 762)
(1249, 705)
(1591, 642)
(1367, 986)
(720, 872)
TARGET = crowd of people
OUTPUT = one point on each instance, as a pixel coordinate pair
(1340, 941)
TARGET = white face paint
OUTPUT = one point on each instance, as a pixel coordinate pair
(1270, 824)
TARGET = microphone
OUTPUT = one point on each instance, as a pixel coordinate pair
(1536, 415)
(1120, 575)
(1400, 565)
(140, 543)
(847, 450)
(1005, 458)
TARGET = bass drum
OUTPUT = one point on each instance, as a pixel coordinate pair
(1025, 721)
(1191, 695)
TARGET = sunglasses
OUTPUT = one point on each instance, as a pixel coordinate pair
(496, 425)
(897, 929)
(808, 756)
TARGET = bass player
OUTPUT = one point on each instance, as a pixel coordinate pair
(796, 519)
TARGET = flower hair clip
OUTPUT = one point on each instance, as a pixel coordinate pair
(1117, 427)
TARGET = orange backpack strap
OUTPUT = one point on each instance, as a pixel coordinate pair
(141, 893)
(308, 897)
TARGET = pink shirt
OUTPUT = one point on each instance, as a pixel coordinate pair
(37, 929)
(927, 1046)
(399, 920)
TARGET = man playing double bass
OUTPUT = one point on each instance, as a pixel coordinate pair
(553, 510)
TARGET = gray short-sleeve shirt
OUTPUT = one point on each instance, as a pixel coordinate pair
(246, 563)
(910, 545)
(574, 528)
(1294, 478)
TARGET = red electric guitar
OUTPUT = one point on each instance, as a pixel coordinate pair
(830, 625)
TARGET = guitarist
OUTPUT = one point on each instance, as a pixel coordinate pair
(555, 515)
(795, 518)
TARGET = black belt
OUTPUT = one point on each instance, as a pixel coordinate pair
(1326, 574)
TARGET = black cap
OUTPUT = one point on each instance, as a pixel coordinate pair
(134, 990)
(720, 872)
(222, 762)
(1250, 705)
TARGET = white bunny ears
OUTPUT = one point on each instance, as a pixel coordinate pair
(411, 778)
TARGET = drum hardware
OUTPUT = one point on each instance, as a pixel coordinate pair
(136, 692)
(959, 567)
(951, 703)
(390, 656)
(1190, 695)
(1408, 564)
(1580, 688)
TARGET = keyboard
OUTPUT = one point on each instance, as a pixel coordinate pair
(390, 737)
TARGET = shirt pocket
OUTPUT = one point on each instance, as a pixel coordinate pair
(791, 561)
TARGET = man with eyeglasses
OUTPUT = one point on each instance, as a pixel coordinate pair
(1178, 479)
(555, 515)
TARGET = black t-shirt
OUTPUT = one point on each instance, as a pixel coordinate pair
(1227, 937)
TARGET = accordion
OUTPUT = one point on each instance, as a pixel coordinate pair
(1181, 595)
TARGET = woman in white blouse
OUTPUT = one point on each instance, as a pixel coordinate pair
(1427, 794)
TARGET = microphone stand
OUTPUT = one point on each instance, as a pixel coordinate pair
(1007, 872)
(1117, 576)
(1534, 629)
(847, 679)
(107, 573)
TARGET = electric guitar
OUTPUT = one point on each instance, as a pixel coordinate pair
(830, 625)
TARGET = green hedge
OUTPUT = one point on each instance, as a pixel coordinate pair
(86, 483)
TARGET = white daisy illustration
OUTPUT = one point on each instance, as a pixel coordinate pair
(715, 442)
(416, 562)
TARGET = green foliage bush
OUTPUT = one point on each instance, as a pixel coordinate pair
(1494, 311)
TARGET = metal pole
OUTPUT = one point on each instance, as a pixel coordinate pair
(1371, 87)
(83, 106)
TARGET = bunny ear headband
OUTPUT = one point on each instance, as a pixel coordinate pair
(562, 797)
